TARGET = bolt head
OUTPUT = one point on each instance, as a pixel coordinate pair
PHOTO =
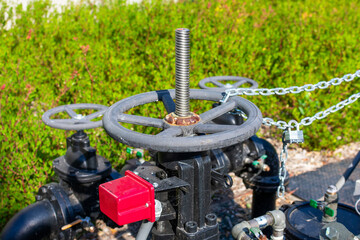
(191, 227)
(331, 233)
(38, 198)
(43, 190)
(210, 219)
(331, 190)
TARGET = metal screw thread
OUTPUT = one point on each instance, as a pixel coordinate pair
(182, 72)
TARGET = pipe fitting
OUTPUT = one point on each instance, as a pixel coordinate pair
(278, 224)
(240, 231)
(275, 219)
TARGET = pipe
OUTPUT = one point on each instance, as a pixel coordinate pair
(146, 226)
(144, 230)
(266, 184)
(36, 221)
(239, 231)
(348, 172)
(275, 219)
(278, 224)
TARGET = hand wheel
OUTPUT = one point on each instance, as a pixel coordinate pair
(217, 81)
(182, 138)
(77, 121)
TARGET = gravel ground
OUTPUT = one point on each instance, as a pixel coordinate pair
(234, 205)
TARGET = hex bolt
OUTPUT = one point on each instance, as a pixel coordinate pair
(331, 190)
(191, 227)
(182, 72)
(210, 219)
(38, 198)
(43, 190)
(331, 233)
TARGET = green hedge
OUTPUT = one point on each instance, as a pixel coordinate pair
(102, 54)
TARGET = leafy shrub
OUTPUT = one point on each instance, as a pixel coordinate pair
(102, 54)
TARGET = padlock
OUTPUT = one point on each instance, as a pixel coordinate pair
(296, 136)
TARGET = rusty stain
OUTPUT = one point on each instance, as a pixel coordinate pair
(262, 237)
(266, 168)
(173, 119)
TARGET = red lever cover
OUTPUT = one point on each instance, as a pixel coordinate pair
(128, 199)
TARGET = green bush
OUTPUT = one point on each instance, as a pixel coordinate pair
(102, 54)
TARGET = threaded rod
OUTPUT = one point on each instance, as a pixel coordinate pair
(182, 72)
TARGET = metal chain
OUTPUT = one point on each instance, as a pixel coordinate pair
(295, 89)
(288, 125)
(309, 120)
(282, 171)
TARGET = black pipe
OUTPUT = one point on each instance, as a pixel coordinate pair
(36, 221)
(262, 201)
(265, 184)
(348, 172)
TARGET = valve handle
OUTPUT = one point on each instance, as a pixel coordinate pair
(218, 81)
(76, 121)
(201, 136)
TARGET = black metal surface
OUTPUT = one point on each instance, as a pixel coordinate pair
(189, 195)
(80, 163)
(164, 96)
(76, 195)
(304, 222)
(43, 219)
(36, 221)
(266, 183)
(229, 118)
(158, 178)
(312, 185)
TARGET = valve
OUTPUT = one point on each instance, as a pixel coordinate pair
(139, 153)
(85, 222)
(221, 82)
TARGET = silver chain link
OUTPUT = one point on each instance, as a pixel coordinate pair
(309, 120)
(295, 89)
(282, 171)
(288, 125)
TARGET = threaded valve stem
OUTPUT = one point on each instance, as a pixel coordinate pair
(182, 72)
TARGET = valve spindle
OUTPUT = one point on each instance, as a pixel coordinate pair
(182, 72)
(182, 115)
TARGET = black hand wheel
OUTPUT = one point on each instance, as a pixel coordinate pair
(76, 121)
(182, 138)
(218, 81)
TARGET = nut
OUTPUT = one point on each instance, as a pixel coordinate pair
(174, 119)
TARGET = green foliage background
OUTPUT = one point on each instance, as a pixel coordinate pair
(44, 63)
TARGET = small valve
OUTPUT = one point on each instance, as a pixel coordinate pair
(139, 153)
(258, 234)
(86, 224)
(260, 164)
(321, 206)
